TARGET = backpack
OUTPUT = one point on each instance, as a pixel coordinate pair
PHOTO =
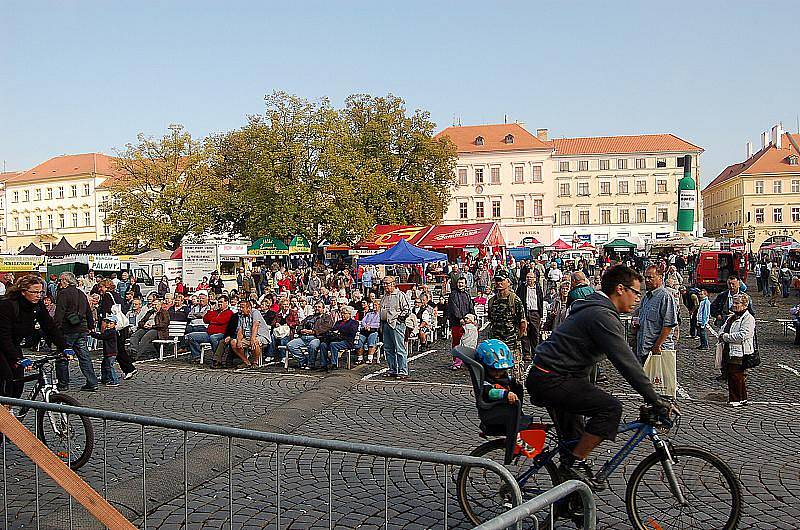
(687, 298)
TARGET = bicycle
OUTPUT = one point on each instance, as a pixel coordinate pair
(58, 433)
(658, 495)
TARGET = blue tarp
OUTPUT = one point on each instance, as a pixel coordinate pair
(403, 252)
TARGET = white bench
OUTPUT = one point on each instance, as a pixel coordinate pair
(787, 325)
(176, 331)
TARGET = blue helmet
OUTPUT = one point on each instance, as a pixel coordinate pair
(495, 353)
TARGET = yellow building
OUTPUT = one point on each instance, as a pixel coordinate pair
(62, 197)
(619, 187)
(758, 200)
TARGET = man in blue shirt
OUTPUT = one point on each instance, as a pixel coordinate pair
(658, 316)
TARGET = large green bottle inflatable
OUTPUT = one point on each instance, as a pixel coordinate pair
(687, 197)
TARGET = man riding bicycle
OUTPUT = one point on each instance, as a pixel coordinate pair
(559, 376)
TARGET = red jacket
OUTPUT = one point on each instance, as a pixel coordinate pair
(217, 320)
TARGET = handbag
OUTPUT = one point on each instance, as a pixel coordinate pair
(662, 372)
(122, 318)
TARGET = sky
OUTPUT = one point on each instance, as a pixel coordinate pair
(88, 76)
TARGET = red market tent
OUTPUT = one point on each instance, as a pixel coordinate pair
(587, 246)
(385, 236)
(560, 244)
(177, 253)
(464, 235)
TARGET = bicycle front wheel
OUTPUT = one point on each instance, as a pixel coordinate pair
(712, 492)
(70, 437)
(482, 494)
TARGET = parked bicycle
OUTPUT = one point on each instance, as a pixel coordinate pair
(71, 437)
(674, 487)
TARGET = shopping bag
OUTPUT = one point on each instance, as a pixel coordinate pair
(122, 319)
(718, 355)
(662, 372)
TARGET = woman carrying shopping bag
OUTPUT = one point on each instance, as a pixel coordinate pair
(739, 353)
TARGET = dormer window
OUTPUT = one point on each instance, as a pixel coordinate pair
(792, 160)
(479, 140)
(509, 139)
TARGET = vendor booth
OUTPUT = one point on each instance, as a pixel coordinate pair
(458, 240)
(404, 253)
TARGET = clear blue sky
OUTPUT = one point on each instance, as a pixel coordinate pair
(88, 76)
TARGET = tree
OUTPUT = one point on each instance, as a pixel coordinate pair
(304, 167)
(165, 190)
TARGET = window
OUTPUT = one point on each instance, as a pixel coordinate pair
(605, 217)
(462, 177)
(479, 209)
(26, 196)
(28, 223)
(495, 209)
(62, 221)
(777, 186)
(622, 187)
(73, 190)
(583, 165)
(583, 217)
(641, 215)
(49, 193)
(641, 186)
(495, 174)
(622, 163)
(519, 174)
(624, 216)
(537, 208)
(605, 188)
(479, 175)
(462, 210)
(563, 189)
(662, 214)
(509, 139)
(777, 215)
(15, 197)
(759, 187)
(537, 173)
(38, 222)
(759, 215)
(640, 163)
(37, 194)
(661, 162)
(16, 224)
(49, 220)
(479, 140)
(661, 186)
(796, 186)
(60, 192)
(563, 166)
(519, 208)
(75, 219)
(583, 189)
(565, 214)
(87, 218)
(605, 164)
(679, 161)
(86, 190)
(106, 230)
(795, 214)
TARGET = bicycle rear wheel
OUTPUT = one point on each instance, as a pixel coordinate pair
(71, 437)
(712, 492)
(482, 494)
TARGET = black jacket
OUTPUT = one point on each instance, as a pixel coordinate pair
(522, 294)
(719, 307)
(17, 321)
(71, 300)
(110, 338)
(593, 330)
(459, 304)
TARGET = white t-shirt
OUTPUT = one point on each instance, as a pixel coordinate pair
(555, 275)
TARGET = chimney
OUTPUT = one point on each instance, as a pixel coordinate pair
(749, 150)
(764, 139)
(778, 135)
(772, 134)
(541, 134)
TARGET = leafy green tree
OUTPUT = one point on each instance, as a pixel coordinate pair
(165, 190)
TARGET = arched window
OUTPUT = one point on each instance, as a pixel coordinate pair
(509, 139)
(479, 140)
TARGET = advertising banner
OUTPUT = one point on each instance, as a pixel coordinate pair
(198, 261)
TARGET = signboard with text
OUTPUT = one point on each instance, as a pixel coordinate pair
(198, 261)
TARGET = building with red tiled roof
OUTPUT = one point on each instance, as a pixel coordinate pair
(61, 197)
(617, 145)
(758, 199)
(494, 138)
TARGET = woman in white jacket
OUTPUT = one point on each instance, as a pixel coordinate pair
(738, 339)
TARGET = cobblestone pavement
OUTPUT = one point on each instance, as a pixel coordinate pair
(434, 411)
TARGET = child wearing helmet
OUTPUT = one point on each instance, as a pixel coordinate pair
(498, 384)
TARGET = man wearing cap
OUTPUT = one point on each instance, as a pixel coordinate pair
(507, 321)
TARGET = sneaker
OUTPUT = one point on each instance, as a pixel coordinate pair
(267, 360)
(735, 404)
(582, 470)
(62, 388)
(88, 388)
(402, 377)
(112, 384)
(130, 375)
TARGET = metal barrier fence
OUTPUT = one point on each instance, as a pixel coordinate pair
(387, 453)
(547, 499)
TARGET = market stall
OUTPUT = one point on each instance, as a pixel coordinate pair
(458, 240)
(404, 253)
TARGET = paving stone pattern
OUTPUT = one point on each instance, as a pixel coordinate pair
(434, 411)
